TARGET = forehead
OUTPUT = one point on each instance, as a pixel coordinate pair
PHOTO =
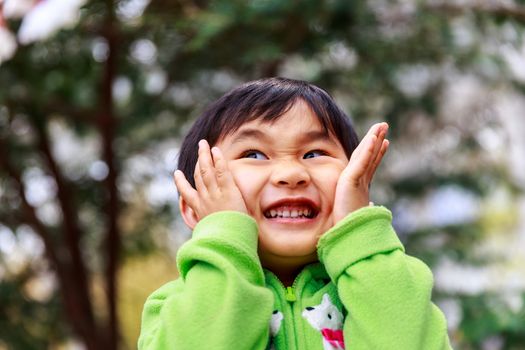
(299, 121)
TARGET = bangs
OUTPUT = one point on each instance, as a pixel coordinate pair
(268, 100)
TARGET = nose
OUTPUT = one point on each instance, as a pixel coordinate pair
(290, 174)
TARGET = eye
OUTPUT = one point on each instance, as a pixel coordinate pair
(254, 154)
(314, 154)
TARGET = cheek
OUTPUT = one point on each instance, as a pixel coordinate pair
(250, 182)
(327, 178)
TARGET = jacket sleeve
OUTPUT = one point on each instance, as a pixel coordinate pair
(220, 300)
(385, 292)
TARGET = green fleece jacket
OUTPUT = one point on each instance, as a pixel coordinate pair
(365, 293)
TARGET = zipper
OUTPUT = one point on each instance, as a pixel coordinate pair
(289, 292)
(293, 318)
(290, 295)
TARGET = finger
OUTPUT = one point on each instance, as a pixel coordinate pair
(224, 177)
(371, 146)
(187, 192)
(206, 166)
(379, 158)
(374, 130)
(383, 128)
(199, 183)
(358, 165)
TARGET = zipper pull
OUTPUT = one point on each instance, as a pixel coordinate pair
(290, 295)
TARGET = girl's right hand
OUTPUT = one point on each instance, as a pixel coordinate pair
(216, 188)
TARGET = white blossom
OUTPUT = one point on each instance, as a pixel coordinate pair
(47, 17)
(7, 44)
(17, 8)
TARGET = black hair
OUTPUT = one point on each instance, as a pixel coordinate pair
(266, 99)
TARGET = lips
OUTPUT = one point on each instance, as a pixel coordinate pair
(292, 208)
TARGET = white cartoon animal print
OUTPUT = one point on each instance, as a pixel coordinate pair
(328, 320)
(275, 325)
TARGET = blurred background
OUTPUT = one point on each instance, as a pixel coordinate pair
(95, 96)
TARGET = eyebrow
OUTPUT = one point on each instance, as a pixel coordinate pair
(310, 136)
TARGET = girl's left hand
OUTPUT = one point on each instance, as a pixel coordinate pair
(352, 191)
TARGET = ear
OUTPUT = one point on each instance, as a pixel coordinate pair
(188, 215)
(326, 299)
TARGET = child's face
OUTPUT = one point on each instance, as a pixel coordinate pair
(287, 173)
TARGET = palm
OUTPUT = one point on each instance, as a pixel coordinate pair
(352, 191)
(215, 187)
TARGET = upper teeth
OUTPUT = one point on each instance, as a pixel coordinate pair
(287, 213)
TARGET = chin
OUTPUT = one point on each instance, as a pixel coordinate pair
(290, 251)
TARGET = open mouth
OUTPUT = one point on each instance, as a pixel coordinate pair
(294, 209)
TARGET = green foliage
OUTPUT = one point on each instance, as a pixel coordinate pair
(357, 50)
(488, 316)
(24, 323)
